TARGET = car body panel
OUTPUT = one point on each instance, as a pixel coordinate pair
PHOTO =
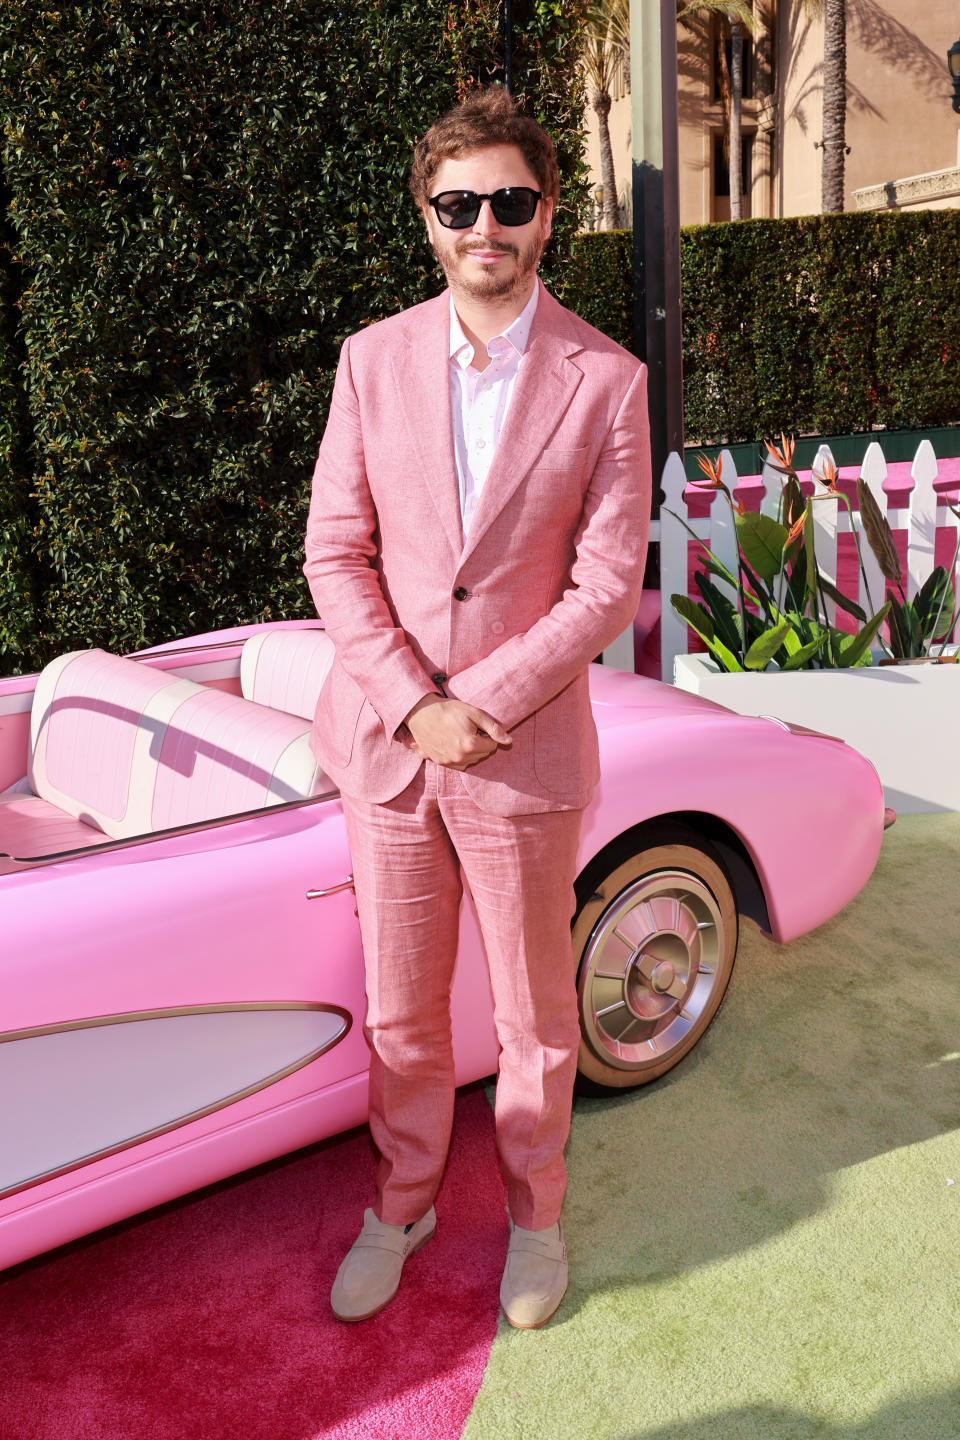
(808, 809)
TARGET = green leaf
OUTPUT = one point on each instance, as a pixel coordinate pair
(707, 556)
(852, 647)
(797, 582)
(906, 639)
(725, 656)
(791, 641)
(844, 601)
(722, 610)
(806, 652)
(695, 616)
(757, 624)
(843, 643)
(810, 552)
(699, 621)
(761, 540)
(760, 590)
(764, 648)
(713, 567)
(899, 631)
(934, 605)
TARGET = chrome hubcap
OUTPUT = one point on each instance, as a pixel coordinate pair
(651, 968)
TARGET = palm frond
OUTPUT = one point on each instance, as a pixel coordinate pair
(740, 10)
(608, 27)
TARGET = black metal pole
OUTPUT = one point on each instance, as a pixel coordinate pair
(656, 220)
(508, 44)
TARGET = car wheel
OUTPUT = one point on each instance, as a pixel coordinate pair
(656, 939)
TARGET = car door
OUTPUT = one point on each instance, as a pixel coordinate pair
(174, 1011)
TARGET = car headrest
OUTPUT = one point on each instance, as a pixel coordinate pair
(286, 669)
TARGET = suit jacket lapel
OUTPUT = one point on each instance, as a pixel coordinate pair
(421, 372)
(545, 385)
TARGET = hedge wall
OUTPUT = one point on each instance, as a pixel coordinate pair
(19, 576)
(206, 199)
(828, 324)
(598, 282)
(823, 324)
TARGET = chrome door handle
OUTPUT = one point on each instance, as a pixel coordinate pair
(333, 890)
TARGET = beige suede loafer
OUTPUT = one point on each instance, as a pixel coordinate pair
(535, 1276)
(370, 1274)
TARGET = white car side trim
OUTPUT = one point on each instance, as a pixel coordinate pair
(175, 1066)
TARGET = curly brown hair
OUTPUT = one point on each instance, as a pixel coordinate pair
(488, 116)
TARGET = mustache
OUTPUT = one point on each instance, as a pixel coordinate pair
(464, 247)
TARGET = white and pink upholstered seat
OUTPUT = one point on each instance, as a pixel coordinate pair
(119, 749)
(286, 668)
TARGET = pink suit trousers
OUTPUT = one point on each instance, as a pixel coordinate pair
(407, 858)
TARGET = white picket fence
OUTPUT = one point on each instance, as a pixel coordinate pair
(919, 518)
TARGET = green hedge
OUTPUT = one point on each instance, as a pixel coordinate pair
(598, 282)
(824, 324)
(206, 199)
(18, 567)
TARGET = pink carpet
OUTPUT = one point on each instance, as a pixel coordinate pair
(208, 1318)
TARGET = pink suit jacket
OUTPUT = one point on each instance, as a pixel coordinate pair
(509, 617)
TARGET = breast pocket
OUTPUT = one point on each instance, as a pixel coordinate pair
(557, 457)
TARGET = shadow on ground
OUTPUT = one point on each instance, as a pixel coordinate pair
(837, 1048)
(929, 1417)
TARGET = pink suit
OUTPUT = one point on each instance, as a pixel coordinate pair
(507, 619)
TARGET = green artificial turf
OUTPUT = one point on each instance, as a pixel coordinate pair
(764, 1244)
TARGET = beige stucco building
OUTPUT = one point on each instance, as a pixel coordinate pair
(900, 127)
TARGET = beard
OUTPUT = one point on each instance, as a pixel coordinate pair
(490, 286)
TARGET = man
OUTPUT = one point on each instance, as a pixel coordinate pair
(476, 537)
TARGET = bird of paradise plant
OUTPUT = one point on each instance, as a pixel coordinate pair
(915, 625)
(774, 609)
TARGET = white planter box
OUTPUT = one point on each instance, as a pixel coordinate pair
(904, 718)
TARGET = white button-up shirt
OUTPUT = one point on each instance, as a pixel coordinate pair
(479, 399)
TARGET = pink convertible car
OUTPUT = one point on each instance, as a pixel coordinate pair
(181, 980)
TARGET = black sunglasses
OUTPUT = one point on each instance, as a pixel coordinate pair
(458, 209)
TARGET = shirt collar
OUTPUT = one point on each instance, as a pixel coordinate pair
(516, 335)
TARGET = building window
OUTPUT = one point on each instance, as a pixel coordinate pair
(721, 38)
(721, 176)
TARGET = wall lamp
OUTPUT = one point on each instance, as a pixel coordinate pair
(953, 65)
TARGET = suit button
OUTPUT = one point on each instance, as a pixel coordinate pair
(460, 593)
(439, 678)
(497, 627)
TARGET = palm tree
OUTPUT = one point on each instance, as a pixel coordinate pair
(735, 16)
(606, 47)
(834, 104)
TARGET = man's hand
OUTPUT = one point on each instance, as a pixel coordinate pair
(449, 732)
